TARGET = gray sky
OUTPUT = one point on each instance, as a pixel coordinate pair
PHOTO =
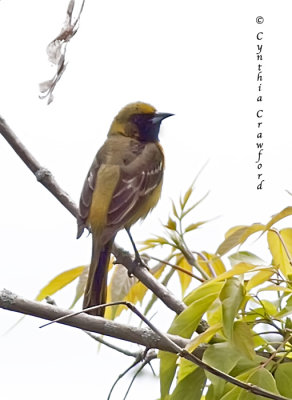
(194, 59)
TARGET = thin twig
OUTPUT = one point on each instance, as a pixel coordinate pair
(114, 347)
(154, 297)
(191, 357)
(273, 355)
(178, 268)
(209, 265)
(147, 361)
(192, 261)
(99, 339)
(122, 375)
(73, 314)
(150, 338)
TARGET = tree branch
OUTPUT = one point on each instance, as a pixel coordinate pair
(143, 336)
(128, 353)
(150, 338)
(46, 178)
(43, 175)
(161, 291)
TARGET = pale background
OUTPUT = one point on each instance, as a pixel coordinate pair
(195, 59)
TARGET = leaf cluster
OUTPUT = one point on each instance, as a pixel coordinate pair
(245, 301)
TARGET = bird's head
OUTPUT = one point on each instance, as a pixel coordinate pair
(138, 120)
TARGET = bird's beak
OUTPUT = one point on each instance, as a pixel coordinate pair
(158, 117)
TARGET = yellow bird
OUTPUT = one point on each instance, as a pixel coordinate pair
(123, 184)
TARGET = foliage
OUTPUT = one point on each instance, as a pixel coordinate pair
(245, 302)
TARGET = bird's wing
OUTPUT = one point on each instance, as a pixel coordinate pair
(137, 181)
(140, 172)
(86, 195)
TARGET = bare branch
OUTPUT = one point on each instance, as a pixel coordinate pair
(143, 336)
(145, 362)
(182, 352)
(150, 338)
(128, 353)
(121, 376)
(146, 359)
(43, 175)
(178, 268)
(161, 291)
(46, 178)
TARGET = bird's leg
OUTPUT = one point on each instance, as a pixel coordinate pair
(138, 259)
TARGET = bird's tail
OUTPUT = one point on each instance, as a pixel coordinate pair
(96, 287)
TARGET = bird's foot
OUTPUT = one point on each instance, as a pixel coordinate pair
(138, 262)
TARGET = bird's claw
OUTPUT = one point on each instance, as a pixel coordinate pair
(137, 263)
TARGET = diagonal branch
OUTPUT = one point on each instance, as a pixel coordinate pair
(46, 178)
(161, 291)
(150, 338)
(43, 175)
(182, 352)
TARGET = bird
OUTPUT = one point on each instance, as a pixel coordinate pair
(122, 186)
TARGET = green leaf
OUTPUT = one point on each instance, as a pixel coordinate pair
(214, 314)
(287, 309)
(224, 357)
(277, 217)
(288, 323)
(187, 196)
(233, 392)
(174, 237)
(280, 258)
(256, 376)
(194, 226)
(190, 385)
(267, 309)
(186, 322)
(210, 395)
(174, 209)
(243, 339)
(171, 224)
(186, 367)
(231, 297)
(245, 256)
(259, 278)
(283, 376)
(204, 337)
(236, 236)
(246, 364)
(263, 379)
(184, 278)
(167, 371)
(275, 288)
(238, 269)
(153, 242)
(59, 282)
(194, 206)
(210, 287)
(216, 263)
